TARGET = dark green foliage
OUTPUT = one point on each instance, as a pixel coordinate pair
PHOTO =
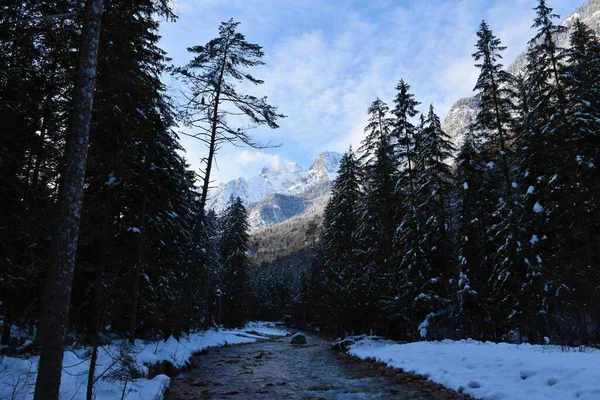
(233, 248)
(338, 287)
(497, 206)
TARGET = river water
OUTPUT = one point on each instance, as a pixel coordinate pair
(277, 370)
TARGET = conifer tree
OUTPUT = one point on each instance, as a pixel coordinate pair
(211, 75)
(546, 156)
(494, 124)
(339, 277)
(474, 210)
(378, 209)
(407, 252)
(426, 289)
(233, 246)
(580, 227)
(56, 299)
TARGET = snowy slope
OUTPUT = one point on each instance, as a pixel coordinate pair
(464, 109)
(281, 191)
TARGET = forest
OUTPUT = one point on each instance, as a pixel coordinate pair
(104, 227)
(496, 240)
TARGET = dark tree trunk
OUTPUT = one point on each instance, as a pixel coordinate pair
(57, 292)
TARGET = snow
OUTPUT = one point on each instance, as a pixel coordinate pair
(17, 375)
(281, 177)
(111, 180)
(465, 186)
(424, 325)
(537, 208)
(493, 370)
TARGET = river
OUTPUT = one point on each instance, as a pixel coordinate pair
(275, 369)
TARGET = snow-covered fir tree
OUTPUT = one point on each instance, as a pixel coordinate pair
(378, 209)
(494, 125)
(233, 248)
(338, 279)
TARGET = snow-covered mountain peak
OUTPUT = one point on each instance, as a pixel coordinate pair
(280, 191)
(328, 161)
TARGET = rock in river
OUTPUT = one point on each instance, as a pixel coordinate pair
(298, 338)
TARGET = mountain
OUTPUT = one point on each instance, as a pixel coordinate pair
(281, 191)
(460, 116)
(275, 208)
(464, 110)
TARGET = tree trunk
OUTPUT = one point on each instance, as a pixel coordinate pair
(197, 230)
(57, 292)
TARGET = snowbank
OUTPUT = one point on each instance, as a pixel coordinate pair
(17, 375)
(493, 371)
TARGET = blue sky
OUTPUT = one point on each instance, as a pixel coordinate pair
(327, 60)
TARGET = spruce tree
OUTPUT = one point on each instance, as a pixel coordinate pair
(56, 299)
(407, 252)
(378, 211)
(425, 289)
(475, 249)
(546, 156)
(339, 277)
(494, 124)
(580, 227)
(233, 247)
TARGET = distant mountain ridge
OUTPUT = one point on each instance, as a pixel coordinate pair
(281, 191)
(463, 111)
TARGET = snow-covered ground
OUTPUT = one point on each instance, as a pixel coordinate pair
(493, 371)
(17, 375)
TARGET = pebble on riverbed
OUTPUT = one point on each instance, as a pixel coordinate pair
(298, 338)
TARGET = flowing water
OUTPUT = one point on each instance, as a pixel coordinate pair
(277, 370)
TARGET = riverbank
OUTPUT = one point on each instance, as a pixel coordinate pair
(139, 371)
(486, 370)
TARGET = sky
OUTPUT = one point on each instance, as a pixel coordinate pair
(327, 60)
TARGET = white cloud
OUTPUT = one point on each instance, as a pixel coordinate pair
(233, 164)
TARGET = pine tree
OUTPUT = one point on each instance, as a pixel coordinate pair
(213, 95)
(494, 124)
(408, 253)
(425, 289)
(378, 210)
(57, 292)
(474, 210)
(336, 273)
(233, 246)
(580, 228)
(546, 157)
